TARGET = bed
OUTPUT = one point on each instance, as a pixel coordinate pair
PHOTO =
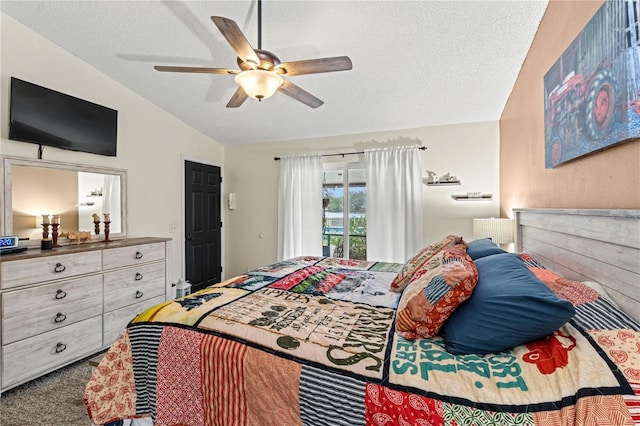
(323, 341)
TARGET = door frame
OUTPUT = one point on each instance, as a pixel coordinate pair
(223, 214)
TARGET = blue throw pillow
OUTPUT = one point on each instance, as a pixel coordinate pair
(510, 306)
(483, 247)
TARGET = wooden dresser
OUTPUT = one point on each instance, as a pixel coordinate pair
(61, 305)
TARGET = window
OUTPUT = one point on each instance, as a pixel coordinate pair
(342, 207)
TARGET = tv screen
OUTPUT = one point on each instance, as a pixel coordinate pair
(46, 117)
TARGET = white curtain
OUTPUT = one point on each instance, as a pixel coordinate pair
(111, 201)
(394, 203)
(300, 206)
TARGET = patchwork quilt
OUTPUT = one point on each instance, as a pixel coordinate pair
(312, 341)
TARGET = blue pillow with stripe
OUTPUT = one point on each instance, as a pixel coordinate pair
(510, 306)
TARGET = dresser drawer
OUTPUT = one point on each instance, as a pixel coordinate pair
(116, 321)
(16, 273)
(36, 310)
(30, 358)
(132, 285)
(133, 255)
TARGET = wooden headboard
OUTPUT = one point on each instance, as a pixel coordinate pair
(587, 245)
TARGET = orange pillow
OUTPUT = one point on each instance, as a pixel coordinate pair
(401, 281)
(435, 291)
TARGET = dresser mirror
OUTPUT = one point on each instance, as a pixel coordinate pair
(79, 196)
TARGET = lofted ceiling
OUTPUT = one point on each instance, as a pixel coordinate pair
(415, 63)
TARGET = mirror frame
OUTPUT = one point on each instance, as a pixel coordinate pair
(6, 219)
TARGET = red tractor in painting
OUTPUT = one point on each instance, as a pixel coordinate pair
(583, 101)
(582, 104)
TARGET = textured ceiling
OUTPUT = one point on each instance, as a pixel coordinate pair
(415, 63)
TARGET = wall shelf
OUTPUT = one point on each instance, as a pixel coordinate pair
(465, 197)
(455, 182)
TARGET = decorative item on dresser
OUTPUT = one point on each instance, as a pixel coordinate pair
(59, 306)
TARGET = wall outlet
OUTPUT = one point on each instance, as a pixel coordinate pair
(172, 229)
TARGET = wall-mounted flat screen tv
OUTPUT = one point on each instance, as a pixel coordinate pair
(46, 117)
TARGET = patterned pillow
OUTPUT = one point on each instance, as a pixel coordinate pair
(435, 291)
(403, 278)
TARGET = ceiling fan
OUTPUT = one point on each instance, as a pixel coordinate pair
(260, 74)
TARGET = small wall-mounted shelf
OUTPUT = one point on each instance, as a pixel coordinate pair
(465, 197)
(454, 182)
(446, 179)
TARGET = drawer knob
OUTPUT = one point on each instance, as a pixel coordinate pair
(139, 294)
(138, 276)
(60, 317)
(138, 255)
(60, 347)
(59, 267)
(60, 294)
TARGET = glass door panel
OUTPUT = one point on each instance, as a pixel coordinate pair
(344, 224)
(356, 244)
(333, 214)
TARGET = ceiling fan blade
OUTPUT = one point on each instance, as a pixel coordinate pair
(201, 70)
(314, 66)
(299, 94)
(236, 39)
(238, 98)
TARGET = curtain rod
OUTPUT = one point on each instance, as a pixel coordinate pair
(422, 148)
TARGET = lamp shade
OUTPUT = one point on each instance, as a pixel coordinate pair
(499, 230)
(259, 84)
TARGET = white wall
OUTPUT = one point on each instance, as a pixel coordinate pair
(151, 142)
(468, 151)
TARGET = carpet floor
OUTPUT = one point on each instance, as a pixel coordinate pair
(52, 400)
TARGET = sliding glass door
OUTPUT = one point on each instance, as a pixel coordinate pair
(344, 223)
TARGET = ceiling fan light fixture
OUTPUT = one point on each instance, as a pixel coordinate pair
(259, 84)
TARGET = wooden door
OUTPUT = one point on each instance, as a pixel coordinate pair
(203, 252)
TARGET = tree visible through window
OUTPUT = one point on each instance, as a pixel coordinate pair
(342, 207)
